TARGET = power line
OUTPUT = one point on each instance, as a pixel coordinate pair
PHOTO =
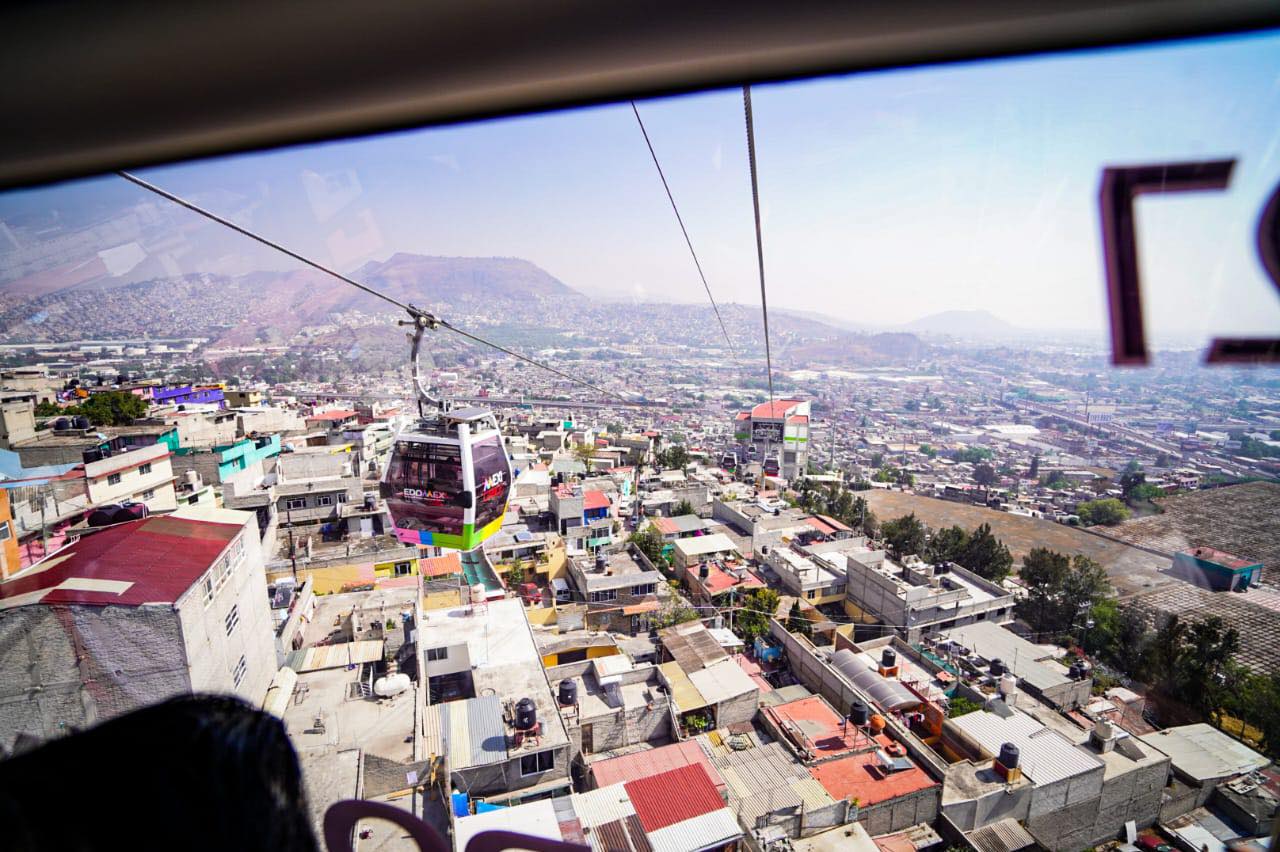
(683, 230)
(413, 311)
(755, 201)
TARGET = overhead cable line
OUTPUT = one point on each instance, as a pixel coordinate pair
(418, 314)
(755, 201)
(683, 229)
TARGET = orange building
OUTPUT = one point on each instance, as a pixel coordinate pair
(10, 559)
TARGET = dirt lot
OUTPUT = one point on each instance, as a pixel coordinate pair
(1132, 571)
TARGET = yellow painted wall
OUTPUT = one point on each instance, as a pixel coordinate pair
(556, 566)
(11, 561)
(388, 569)
(542, 616)
(826, 599)
(593, 652)
(329, 579)
(854, 611)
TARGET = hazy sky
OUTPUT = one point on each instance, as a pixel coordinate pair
(885, 196)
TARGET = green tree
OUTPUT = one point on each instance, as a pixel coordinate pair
(986, 555)
(984, 474)
(929, 451)
(797, 623)
(515, 575)
(1055, 479)
(947, 545)
(1108, 512)
(958, 705)
(112, 408)
(586, 453)
(972, 455)
(1043, 572)
(675, 457)
(912, 405)
(684, 507)
(649, 542)
(1034, 472)
(48, 409)
(753, 618)
(905, 536)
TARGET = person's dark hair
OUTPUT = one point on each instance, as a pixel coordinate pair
(197, 772)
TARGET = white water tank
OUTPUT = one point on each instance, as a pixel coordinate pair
(390, 685)
(1009, 689)
(478, 594)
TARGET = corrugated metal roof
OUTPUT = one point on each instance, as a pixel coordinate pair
(813, 793)
(606, 804)
(722, 681)
(675, 796)
(685, 695)
(653, 761)
(1203, 752)
(486, 730)
(702, 832)
(782, 801)
(1046, 756)
(611, 837)
(470, 733)
(1007, 835)
(335, 656)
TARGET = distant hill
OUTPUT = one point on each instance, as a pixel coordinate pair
(265, 306)
(962, 324)
(414, 277)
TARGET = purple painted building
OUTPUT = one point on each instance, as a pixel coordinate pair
(188, 395)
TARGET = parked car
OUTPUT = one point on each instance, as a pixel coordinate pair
(1152, 843)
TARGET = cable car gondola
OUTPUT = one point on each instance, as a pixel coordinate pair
(449, 477)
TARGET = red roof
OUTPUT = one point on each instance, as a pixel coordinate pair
(440, 566)
(776, 409)
(719, 580)
(798, 418)
(666, 526)
(832, 522)
(154, 560)
(1219, 557)
(820, 526)
(860, 776)
(654, 761)
(332, 415)
(594, 500)
(742, 415)
(674, 796)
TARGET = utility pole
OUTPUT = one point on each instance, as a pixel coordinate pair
(293, 550)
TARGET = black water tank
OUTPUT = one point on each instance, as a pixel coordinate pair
(61, 424)
(568, 692)
(81, 422)
(91, 455)
(704, 570)
(997, 667)
(889, 658)
(859, 713)
(103, 515)
(526, 714)
(1008, 756)
(370, 502)
(123, 515)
